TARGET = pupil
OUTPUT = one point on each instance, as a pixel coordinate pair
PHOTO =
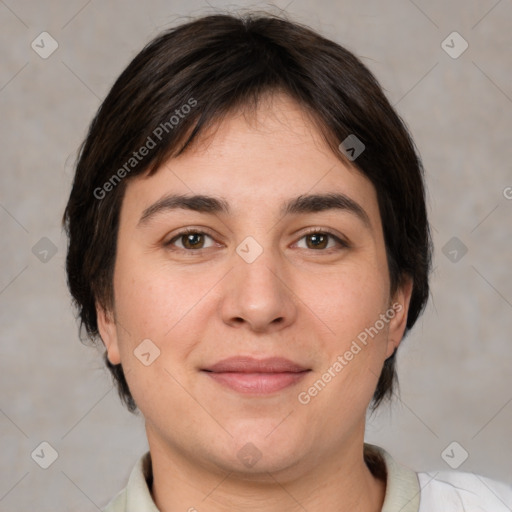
(318, 240)
(191, 238)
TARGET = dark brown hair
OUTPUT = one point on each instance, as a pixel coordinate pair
(188, 79)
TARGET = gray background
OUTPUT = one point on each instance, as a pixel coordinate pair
(454, 368)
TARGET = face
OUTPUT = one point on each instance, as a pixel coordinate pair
(252, 325)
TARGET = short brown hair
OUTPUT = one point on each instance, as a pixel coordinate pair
(222, 63)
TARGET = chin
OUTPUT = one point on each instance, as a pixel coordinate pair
(264, 449)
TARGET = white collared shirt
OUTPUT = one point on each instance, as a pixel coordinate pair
(406, 490)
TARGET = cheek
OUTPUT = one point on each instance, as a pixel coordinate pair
(352, 300)
(151, 312)
(345, 383)
(166, 307)
(355, 348)
(152, 300)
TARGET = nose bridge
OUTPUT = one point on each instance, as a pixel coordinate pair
(258, 294)
(261, 271)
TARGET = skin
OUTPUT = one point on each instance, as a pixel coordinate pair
(295, 300)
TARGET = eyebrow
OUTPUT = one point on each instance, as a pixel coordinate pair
(299, 205)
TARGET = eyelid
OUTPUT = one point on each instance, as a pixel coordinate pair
(186, 231)
(326, 231)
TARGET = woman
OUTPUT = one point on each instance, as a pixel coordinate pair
(248, 237)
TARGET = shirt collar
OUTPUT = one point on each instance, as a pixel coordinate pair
(402, 485)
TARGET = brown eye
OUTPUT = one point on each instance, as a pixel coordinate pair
(190, 240)
(317, 241)
(320, 240)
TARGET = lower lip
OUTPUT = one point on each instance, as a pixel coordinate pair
(257, 383)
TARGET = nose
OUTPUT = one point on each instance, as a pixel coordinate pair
(259, 294)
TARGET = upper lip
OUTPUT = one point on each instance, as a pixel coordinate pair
(239, 364)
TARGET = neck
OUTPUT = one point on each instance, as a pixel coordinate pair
(342, 482)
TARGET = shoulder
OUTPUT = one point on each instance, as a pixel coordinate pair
(438, 491)
(136, 496)
(455, 491)
(118, 503)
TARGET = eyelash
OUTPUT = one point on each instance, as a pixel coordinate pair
(312, 231)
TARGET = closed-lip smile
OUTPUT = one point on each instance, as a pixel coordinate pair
(246, 374)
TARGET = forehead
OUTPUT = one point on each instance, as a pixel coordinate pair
(258, 159)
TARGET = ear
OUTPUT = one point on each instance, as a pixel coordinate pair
(108, 332)
(400, 305)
